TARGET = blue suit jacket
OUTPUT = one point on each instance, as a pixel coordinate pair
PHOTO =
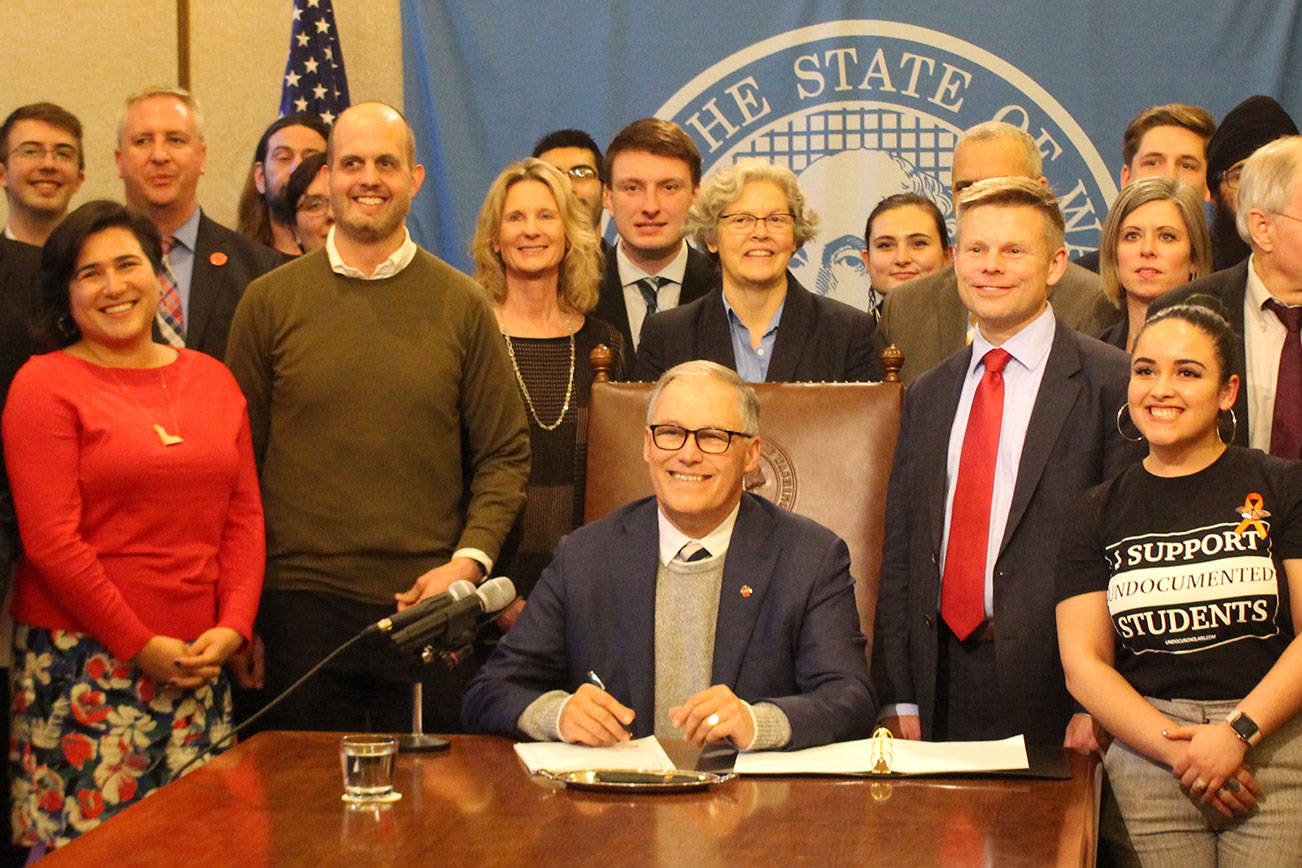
(794, 640)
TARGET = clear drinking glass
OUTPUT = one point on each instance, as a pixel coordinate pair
(367, 764)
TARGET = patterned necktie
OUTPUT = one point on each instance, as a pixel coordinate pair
(691, 552)
(650, 289)
(170, 319)
(1286, 424)
(963, 587)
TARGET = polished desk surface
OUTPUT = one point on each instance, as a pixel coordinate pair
(274, 800)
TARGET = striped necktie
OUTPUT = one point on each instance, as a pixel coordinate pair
(650, 289)
(691, 552)
(170, 318)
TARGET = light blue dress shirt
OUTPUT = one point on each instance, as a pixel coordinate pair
(752, 362)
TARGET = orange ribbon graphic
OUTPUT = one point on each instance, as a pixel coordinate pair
(1252, 514)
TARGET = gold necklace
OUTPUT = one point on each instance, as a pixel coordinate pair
(163, 437)
(524, 390)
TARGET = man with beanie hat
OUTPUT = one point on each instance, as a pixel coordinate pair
(1249, 125)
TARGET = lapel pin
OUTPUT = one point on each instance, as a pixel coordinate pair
(746, 591)
(218, 258)
(1252, 512)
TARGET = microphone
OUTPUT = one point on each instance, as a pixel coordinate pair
(489, 598)
(456, 591)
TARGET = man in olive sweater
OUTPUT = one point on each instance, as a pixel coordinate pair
(390, 438)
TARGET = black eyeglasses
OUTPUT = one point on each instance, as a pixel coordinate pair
(712, 441)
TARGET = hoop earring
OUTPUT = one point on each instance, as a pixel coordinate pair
(1123, 409)
(67, 327)
(1234, 426)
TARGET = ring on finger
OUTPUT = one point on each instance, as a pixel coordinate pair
(712, 720)
(1199, 785)
(1231, 784)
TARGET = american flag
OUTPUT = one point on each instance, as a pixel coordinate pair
(314, 74)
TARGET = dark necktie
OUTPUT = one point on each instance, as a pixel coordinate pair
(1286, 424)
(691, 552)
(650, 288)
(171, 320)
(962, 593)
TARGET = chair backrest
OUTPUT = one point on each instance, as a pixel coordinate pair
(826, 454)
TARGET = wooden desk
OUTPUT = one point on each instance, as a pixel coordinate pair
(274, 800)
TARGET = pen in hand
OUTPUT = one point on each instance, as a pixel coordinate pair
(612, 706)
(596, 680)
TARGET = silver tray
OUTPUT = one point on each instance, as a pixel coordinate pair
(637, 780)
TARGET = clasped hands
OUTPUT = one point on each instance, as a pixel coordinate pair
(176, 663)
(1211, 769)
(592, 716)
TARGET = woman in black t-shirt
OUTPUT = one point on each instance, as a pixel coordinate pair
(1178, 591)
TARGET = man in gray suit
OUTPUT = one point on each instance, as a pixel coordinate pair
(995, 445)
(925, 317)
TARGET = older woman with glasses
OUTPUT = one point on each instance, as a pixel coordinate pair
(1155, 239)
(759, 320)
(539, 259)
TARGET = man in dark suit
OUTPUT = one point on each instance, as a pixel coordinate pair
(652, 172)
(758, 320)
(160, 155)
(926, 319)
(1259, 296)
(994, 446)
(704, 612)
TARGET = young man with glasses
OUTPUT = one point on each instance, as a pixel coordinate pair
(41, 169)
(701, 613)
(578, 157)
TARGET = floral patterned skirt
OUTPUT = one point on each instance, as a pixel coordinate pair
(92, 735)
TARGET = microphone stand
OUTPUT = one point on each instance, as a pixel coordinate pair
(418, 741)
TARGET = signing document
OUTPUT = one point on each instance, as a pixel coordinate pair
(908, 758)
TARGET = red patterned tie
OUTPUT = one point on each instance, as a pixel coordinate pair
(962, 593)
(1286, 425)
(171, 320)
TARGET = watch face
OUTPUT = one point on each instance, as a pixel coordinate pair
(1244, 726)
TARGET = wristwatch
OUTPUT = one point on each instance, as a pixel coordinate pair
(1244, 727)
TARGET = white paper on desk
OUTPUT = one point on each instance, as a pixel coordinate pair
(555, 756)
(910, 758)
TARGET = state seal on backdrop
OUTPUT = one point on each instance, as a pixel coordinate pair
(863, 109)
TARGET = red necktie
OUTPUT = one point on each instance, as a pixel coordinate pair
(171, 321)
(1286, 425)
(962, 591)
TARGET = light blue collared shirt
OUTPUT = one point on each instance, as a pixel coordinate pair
(1029, 349)
(752, 362)
(181, 259)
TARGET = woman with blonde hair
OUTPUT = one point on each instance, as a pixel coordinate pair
(539, 259)
(1154, 240)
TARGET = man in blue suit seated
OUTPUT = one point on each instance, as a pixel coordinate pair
(707, 613)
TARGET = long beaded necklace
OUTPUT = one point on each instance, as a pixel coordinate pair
(524, 390)
(163, 436)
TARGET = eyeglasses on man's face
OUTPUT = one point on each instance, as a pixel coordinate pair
(712, 441)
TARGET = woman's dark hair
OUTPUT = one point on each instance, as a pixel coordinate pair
(53, 314)
(299, 180)
(1205, 313)
(900, 200)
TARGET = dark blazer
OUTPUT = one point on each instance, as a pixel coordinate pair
(794, 640)
(926, 320)
(20, 266)
(698, 277)
(224, 264)
(1071, 443)
(819, 339)
(1229, 286)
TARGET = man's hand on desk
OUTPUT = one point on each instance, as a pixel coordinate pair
(713, 715)
(592, 716)
(904, 726)
(439, 579)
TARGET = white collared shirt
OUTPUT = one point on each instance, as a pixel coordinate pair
(1263, 341)
(393, 264)
(715, 542)
(666, 297)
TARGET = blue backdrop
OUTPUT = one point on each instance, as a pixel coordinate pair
(862, 99)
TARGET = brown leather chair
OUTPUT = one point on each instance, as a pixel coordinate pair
(826, 452)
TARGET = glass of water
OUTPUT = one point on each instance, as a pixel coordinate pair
(367, 763)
